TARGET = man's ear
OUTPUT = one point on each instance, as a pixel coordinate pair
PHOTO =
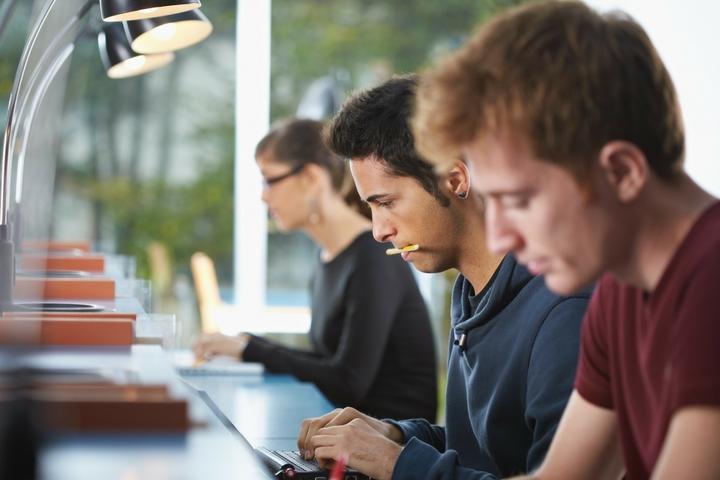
(457, 180)
(625, 168)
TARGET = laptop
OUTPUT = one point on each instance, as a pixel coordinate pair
(186, 364)
(282, 464)
(290, 464)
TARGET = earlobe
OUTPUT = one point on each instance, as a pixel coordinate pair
(458, 180)
(625, 168)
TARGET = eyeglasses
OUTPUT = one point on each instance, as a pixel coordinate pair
(267, 182)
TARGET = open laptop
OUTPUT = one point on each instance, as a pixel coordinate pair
(283, 464)
(186, 364)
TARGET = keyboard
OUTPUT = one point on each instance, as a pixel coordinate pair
(294, 457)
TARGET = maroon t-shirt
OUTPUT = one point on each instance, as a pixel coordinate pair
(647, 356)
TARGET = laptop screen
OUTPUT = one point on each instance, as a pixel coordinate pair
(259, 469)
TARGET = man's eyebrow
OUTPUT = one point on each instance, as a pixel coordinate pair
(376, 197)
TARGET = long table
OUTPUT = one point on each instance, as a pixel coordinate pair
(267, 409)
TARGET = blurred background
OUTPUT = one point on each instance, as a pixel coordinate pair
(160, 166)
(146, 164)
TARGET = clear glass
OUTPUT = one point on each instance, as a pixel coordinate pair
(120, 266)
(137, 288)
(159, 328)
(148, 161)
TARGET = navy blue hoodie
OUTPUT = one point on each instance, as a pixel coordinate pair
(508, 382)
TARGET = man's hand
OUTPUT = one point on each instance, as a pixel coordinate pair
(367, 450)
(210, 345)
(336, 418)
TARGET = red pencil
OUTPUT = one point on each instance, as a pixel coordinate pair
(339, 468)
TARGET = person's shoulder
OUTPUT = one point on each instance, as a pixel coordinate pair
(369, 254)
(696, 261)
(536, 292)
(710, 218)
(364, 248)
(367, 240)
(568, 309)
(703, 240)
(540, 307)
(609, 301)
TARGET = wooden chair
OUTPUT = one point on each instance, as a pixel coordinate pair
(218, 316)
(206, 290)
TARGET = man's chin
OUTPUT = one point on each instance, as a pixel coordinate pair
(425, 267)
(563, 283)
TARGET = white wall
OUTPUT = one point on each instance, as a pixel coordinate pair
(687, 36)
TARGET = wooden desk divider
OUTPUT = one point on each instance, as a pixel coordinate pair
(124, 408)
(92, 263)
(26, 314)
(85, 405)
(106, 407)
(65, 288)
(66, 330)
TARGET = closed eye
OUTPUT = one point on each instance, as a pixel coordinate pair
(380, 200)
(517, 201)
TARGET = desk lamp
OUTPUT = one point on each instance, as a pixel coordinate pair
(121, 63)
(18, 441)
(170, 33)
(124, 10)
(120, 60)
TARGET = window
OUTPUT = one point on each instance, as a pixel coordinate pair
(316, 53)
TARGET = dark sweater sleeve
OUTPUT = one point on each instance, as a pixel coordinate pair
(420, 460)
(551, 373)
(372, 300)
(421, 429)
(263, 351)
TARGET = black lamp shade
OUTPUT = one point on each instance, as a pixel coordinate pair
(120, 60)
(124, 10)
(168, 33)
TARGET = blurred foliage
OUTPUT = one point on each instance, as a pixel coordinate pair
(362, 42)
(186, 218)
(138, 128)
(120, 126)
(11, 45)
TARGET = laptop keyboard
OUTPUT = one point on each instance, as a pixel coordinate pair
(294, 457)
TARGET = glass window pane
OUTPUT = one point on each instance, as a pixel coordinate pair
(322, 51)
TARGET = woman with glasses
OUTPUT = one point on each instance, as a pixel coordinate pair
(372, 343)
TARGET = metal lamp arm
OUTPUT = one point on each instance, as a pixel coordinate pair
(9, 138)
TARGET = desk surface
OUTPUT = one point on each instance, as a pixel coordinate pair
(267, 409)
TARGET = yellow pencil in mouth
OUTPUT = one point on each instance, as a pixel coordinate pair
(407, 248)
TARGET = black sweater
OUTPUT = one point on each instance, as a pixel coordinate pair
(371, 335)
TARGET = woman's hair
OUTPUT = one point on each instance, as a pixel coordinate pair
(295, 142)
